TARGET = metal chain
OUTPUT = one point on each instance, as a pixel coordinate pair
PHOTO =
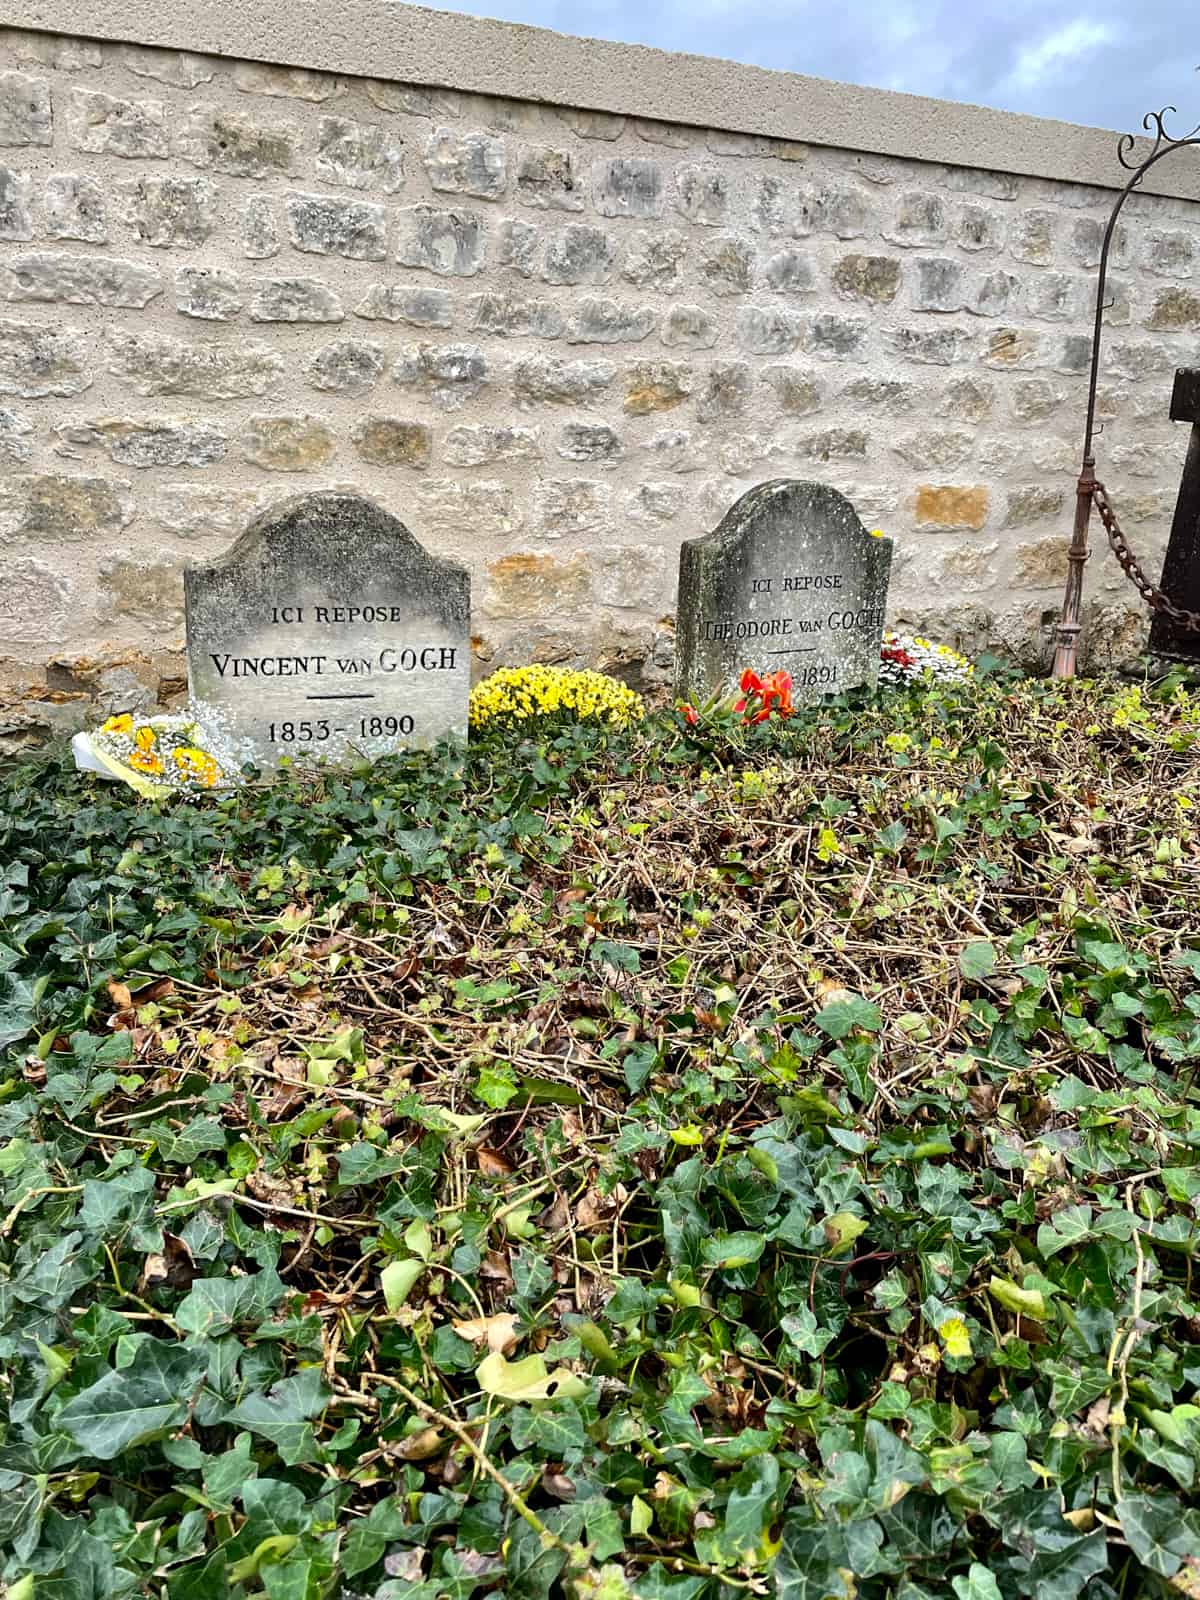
(1132, 567)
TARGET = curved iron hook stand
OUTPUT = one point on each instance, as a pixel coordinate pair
(1070, 624)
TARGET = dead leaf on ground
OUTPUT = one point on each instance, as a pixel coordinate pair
(173, 1266)
(119, 994)
(499, 1331)
(492, 1163)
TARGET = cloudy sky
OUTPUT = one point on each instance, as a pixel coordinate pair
(1104, 63)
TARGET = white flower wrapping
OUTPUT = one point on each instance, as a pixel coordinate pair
(158, 756)
(906, 658)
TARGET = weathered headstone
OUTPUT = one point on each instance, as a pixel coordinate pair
(1181, 566)
(792, 581)
(326, 631)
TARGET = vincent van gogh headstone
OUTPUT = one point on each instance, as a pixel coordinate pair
(327, 631)
(791, 581)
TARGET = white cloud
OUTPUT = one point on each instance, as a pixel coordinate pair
(1047, 60)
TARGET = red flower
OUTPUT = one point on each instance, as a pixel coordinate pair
(751, 682)
(740, 706)
(690, 715)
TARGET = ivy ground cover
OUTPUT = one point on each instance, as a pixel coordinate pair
(671, 1163)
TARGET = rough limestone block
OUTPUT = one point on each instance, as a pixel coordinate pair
(37, 361)
(286, 83)
(15, 429)
(921, 219)
(471, 163)
(547, 179)
(833, 209)
(702, 195)
(329, 226)
(727, 264)
(73, 208)
(36, 602)
(939, 347)
(535, 586)
(790, 272)
(16, 216)
(25, 111)
(628, 187)
(178, 69)
(727, 391)
(288, 443)
(952, 507)
(518, 245)
(980, 229)
(100, 124)
(393, 442)
(506, 316)
(359, 155)
(423, 308)
(295, 300)
(347, 366)
(483, 444)
(208, 293)
(1031, 237)
(689, 327)
(1037, 502)
(542, 380)
(154, 364)
(141, 587)
(593, 442)
(835, 338)
(450, 509)
(574, 508)
(58, 506)
(875, 279)
(998, 294)
(657, 386)
(938, 285)
(768, 330)
(166, 212)
(259, 228)
(79, 280)
(797, 392)
(448, 375)
(579, 255)
(230, 141)
(449, 243)
(656, 259)
(610, 322)
(160, 442)
(196, 511)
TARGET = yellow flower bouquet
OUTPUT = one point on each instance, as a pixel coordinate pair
(158, 757)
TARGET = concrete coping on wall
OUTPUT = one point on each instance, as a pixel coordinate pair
(411, 44)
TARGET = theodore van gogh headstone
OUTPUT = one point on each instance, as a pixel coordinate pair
(790, 581)
(327, 630)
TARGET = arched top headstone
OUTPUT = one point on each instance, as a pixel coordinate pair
(327, 630)
(791, 581)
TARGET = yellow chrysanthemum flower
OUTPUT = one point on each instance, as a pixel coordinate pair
(197, 764)
(515, 694)
(121, 724)
(146, 761)
(145, 739)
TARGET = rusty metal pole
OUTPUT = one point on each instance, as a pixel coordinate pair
(1077, 559)
(1071, 624)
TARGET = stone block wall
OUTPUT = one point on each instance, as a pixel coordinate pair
(554, 342)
